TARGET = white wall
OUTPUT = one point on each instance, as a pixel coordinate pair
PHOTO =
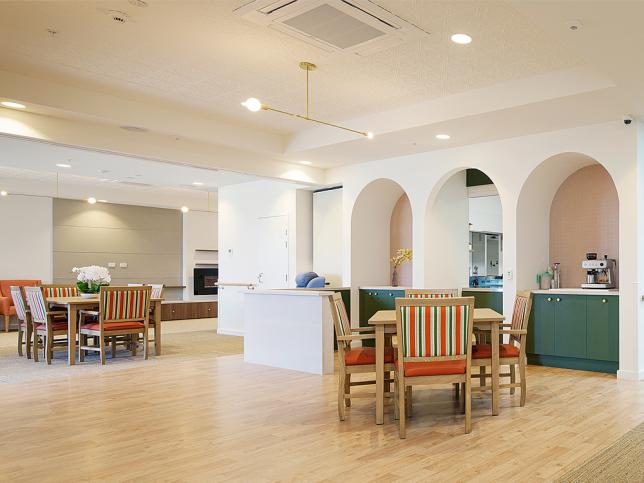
(486, 214)
(200, 232)
(327, 235)
(239, 208)
(26, 247)
(447, 237)
(509, 163)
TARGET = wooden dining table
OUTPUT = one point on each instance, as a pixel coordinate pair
(384, 321)
(74, 304)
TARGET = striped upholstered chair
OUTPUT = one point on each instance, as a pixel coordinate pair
(122, 311)
(434, 347)
(56, 290)
(512, 354)
(431, 293)
(47, 325)
(157, 293)
(24, 320)
(353, 360)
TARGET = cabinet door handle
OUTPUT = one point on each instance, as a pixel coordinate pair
(558, 299)
(603, 301)
(391, 295)
(549, 299)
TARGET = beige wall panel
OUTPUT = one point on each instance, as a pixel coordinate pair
(80, 239)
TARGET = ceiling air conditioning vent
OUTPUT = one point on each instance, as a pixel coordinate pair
(357, 26)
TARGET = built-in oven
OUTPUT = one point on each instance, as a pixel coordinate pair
(206, 281)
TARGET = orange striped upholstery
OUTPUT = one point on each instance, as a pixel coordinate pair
(60, 291)
(124, 304)
(37, 304)
(434, 331)
(19, 303)
(436, 295)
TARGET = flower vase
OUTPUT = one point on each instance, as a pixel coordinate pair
(89, 295)
(394, 277)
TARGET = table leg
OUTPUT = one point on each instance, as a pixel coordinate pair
(380, 373)
(157, 328)
(495, 369)
(71, 334)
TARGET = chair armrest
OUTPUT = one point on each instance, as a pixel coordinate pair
(513, 332)
(5, 303)
(505, 325)
(356, 337)
(362, 329)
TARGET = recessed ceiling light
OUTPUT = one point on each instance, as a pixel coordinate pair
(574, 25)
(197, 183)
(91, 200)
(307, 163)
(461, 39)
(252, 104)
(369, 135)
(3, 193)
(63, 165)
(442, 137)
(13, 105)
(185, 209)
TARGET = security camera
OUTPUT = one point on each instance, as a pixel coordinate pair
(627, 120)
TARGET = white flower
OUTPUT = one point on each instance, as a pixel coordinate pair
(93, 273)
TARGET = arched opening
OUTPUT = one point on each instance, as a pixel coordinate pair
(567, 207)
(381, 223)
(464, 233)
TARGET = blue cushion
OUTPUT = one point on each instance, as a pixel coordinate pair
(302, 279)
(317, 282)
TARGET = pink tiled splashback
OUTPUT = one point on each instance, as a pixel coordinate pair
(584, 217)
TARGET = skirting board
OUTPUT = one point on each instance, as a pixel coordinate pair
(630, 375)
(238, 333)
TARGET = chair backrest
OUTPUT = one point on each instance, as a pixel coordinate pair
(521, 313)
(19, 302)
(341, 320)
(120, 304)
(431, 293)
(37, 305)
(434, 328)
(57, 290)
(157, 290)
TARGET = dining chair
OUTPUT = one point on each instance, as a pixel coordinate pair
(353, 360)
(46, 324)
(434, 347)
(157, 293)
(122, 311)
(511, 354)
(60, 290)
(24, 320)
(431, 293)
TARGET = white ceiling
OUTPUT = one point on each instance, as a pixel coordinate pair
(199, 54)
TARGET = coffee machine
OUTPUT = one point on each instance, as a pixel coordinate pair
(599, 273)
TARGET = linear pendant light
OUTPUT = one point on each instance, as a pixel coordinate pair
(254, 105)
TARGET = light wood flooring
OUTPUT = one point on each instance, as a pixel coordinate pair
(207, 417)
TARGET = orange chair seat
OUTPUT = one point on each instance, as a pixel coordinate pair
(484, 351)
(114, 326)
(437, 368)
(360, 356)
(54, 326)
(12, 310)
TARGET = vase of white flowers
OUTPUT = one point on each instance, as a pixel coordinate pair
(90, 279)
(402, 255)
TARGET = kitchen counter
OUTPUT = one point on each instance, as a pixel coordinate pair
(483, 289)
(383, 287)
(579, 291)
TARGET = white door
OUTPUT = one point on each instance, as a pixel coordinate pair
(272, 251)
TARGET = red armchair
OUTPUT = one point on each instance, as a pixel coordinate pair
(7, 308)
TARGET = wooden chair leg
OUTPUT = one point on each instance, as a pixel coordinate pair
(28, 338)
(48, 350)
(82, 341)
(463, 400)
(35, 334)
(347, 389)
(513, 377)
(483, 378)
(468, 405)
(523, 382)
(146, 345)
(456, 386)
(113, 340)
(6, 323)
(402, 416)
(408, 399)
(157, 338)
(396, 389)
(135, 343)
(102, 349)
(20, 332)
(341, 386)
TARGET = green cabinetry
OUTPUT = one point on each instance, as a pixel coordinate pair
(574, 331)
(373, 300)
(485, 299)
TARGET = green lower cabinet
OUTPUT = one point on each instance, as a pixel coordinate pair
(486, 300)
(602, 338)
(574, 331)
(373, 300)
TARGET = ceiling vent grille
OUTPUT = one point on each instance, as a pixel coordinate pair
(356, 26)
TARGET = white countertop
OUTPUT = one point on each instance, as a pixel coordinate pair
(383, 287)
(580, 291)
(296, 292)
(483, 289)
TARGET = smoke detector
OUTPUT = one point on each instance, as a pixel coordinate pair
(118, 16)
